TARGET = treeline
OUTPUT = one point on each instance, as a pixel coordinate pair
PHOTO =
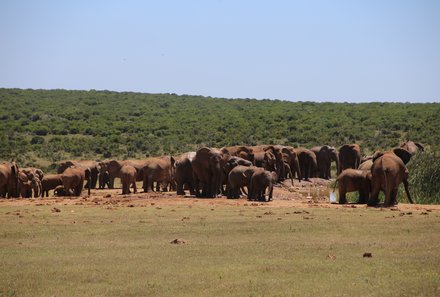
(41, 127)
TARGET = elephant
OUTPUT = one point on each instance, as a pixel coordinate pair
(9, 180)
(351, 180)
(387, 172)
(73, 180)
(239, 177)
(366, 165)
(207, 165)
(103, 179)
(50, 182)
(276, 150)
(324, 156)
(112, 168)
(35, 175)
(158, 170)
(412, 147)
(261, 181)
(349, 156)
(244, 152)
(307, 162)
(183, 173)
(266, 160)
(27, 184)
(92, 165)
(291, 158)
(128, 177)
(231, 164)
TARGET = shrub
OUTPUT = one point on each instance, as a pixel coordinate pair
(424, 178)
(37, 140)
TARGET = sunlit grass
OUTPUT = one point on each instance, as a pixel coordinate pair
(230, 250)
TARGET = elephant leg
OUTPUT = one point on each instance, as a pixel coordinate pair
(388, 196)
(270, 192)
(111, 182)
(180, 190)
(342, 197)
(393, 200)
(363, 197)
(374, 198)
(134, 186)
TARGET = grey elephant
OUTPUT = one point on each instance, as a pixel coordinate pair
(238, 178)
(325, 155)
(262, 181)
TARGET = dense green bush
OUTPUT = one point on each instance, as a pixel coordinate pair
(103, 124)
(424, 177)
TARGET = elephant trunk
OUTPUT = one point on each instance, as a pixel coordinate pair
(337, 164)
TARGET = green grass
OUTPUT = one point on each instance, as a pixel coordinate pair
(230, 250)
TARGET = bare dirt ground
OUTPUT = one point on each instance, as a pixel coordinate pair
(301, 195)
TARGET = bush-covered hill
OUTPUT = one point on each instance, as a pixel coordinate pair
(44, 126)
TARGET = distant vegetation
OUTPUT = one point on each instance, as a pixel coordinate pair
(40, 127)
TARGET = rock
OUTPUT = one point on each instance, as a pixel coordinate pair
(368, 255)
(178, 241)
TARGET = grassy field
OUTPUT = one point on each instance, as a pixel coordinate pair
(233, 249)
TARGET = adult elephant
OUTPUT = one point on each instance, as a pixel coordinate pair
(325, 155)
(50, 182)
(112, 168)
(28, 183)
(128, 177)
(159, 170)
(307, 162)
(266, 160)
(387, 172)
(9, 180)
(92, 165)
(291, 158)
(207, 166)
(412, 147)
(73, 180)
(183, 173)
(276, 150)
(244, 152)
(36, 176)
(349, 156)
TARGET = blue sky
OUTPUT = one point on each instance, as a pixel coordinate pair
(354, 51)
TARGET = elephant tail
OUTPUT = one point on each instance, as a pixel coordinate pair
(336, 183)
(384, 171)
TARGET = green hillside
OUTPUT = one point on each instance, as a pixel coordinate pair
(44, 126)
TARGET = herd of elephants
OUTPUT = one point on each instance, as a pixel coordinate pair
(210, 172)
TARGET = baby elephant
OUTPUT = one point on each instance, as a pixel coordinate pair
(128, 177)
(260, 181)
(351, 180)
(239, 177)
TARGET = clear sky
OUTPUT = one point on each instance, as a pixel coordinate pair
(327, 50)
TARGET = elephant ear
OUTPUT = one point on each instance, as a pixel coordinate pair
(225, 151)
(402, 154)
(377, 155)
(286, 151)
(269, 148)
(421, 147)
(205, 150)
(173, 162)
